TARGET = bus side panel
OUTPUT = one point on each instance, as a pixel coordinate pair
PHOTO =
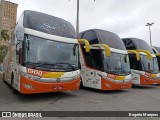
(135, 77)
(90, 78)
(85, 75)
(8, 64)
(95, 79)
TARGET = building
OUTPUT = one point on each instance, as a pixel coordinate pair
(8, 15)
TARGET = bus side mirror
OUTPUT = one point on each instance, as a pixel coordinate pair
(79, 64)
(20, 56)
(87, 45)
(125, 59)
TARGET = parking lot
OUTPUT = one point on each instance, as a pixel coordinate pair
(135, 99)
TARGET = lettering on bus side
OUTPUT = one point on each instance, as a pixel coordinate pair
(34, 72)
(111, 76)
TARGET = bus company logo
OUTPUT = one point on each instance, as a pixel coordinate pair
(55, 26)
(6, 114)
(111, 76)
(58, 79)
(34, 72)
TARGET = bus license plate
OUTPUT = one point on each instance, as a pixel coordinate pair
(57, 87)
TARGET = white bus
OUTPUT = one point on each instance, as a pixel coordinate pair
(144, 71)
(157, 53)
(44, 56)
(106, 66)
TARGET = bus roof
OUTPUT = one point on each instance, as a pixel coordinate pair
(135, 43)
(46, 23)
(103, 37)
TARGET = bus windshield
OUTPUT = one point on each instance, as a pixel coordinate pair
(117, 64)
(50, 55)
(150, 66)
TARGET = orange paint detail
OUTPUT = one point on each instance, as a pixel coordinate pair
(109, 85)
(112, 76)
(148, 81)
(41, 87)
(35, 72)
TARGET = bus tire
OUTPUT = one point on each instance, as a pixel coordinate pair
(81, 84)
(12, 84)
(3, 77)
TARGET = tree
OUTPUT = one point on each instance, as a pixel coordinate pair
(3, 52)
(5, 35)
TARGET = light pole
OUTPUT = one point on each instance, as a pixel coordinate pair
(77, 24)
(77, 21)
(149, 25)
(0, 17)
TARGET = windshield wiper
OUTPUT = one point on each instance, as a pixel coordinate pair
(39, 64)
(67, 64)
(49, 64)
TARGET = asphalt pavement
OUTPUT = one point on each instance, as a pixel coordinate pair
(139, 98)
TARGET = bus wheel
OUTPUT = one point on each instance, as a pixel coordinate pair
(3, 77)
(12, 84)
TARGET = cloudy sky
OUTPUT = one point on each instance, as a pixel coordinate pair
(127, 18)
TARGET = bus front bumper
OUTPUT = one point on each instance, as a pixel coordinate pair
(148, 81)
(110, 85)
(28, 86)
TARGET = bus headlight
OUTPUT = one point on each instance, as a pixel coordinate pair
(108, 85)
(76, 76)
(29, 76)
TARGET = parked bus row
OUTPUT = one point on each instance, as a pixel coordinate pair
(47, 56)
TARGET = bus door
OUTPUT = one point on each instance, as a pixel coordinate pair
(135, 65)
(97, 65)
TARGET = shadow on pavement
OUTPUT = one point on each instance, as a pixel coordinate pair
(144, 87)
(105, 91)
(44, 96)
(157, 85)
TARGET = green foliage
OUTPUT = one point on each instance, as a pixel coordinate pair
(3, 52)
(5, 35)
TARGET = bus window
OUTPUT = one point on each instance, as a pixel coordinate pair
(96, 56)
(91, 37)
(93, 58)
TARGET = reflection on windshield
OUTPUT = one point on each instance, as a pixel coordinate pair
(149, 65)
(117, 64)
(51, 54)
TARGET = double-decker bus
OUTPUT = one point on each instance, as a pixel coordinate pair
(106, 66)
(156, 50)
(43, 56)
(145, 71)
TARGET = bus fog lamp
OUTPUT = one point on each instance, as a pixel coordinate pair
(108, 85)
(146, 81)
(28, 86)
